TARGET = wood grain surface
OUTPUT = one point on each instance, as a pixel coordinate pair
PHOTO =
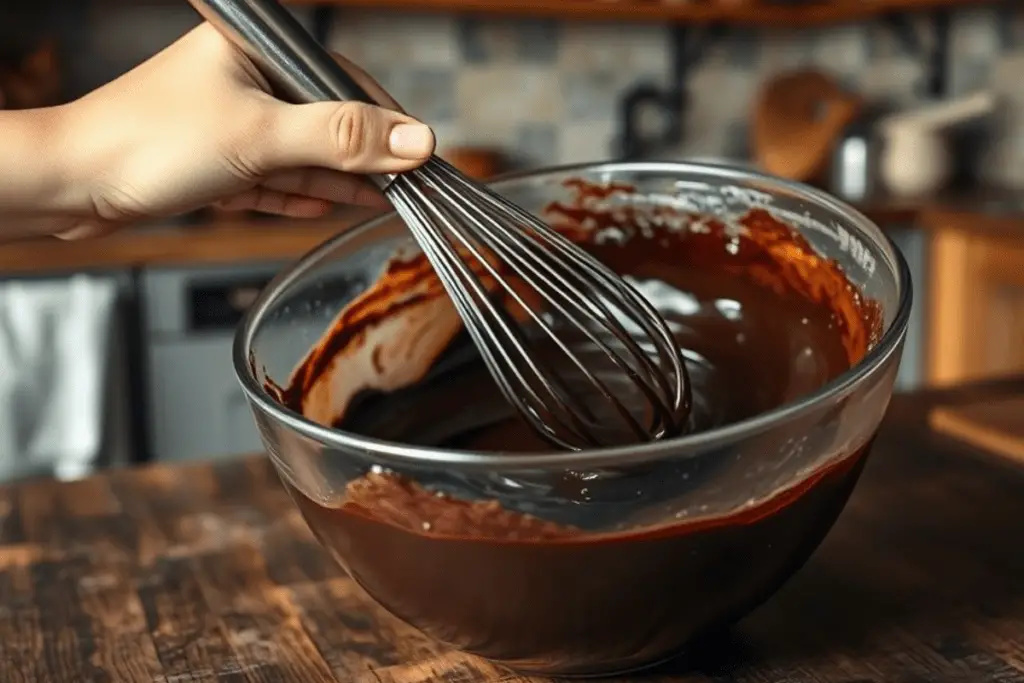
(205, 573)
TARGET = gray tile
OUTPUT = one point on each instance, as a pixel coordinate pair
(881, 43)
(525, 41)
(888, 40)
(849, 81)
(869, 36)
(875, 40)
(975, 33)
(538, 40)
(784, 51)
(744, 48)
(591, 141)
(482, 41)
(841, 51)
(426, 93)
(536, 144)
(393, 40)
(805, 41)
(737, 141)
(892, 81)
(1011, 27)
(472, 42)
(607, 46)
(590, 95)
(1005, 78)
(884, 41)
(969, 74)
(505, 94)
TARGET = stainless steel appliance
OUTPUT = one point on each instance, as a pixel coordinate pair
(195, 407)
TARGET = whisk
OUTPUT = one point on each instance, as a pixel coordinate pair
(575, 349)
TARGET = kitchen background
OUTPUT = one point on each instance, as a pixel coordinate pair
(539, 91)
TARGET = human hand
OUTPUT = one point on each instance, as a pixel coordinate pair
(195, 126)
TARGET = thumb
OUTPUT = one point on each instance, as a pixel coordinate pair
(345, 136)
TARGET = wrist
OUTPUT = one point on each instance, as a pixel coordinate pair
(36, 176)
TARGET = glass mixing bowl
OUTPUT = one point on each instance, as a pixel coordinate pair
(627, 591)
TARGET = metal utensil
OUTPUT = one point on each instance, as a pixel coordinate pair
(582, 356)
(854, 162)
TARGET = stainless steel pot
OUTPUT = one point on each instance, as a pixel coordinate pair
(854, 163)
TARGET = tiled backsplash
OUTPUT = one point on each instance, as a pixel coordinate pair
(548, 90)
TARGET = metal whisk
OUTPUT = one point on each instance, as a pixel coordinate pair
(581, 355)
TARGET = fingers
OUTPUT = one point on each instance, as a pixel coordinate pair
(343, 136)
(66, 227)
(89, 230)
(279, 203)
(331, 186)
(351, 137)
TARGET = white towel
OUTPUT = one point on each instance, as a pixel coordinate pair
(54, 338)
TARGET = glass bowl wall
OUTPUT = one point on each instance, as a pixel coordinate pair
(701, 476)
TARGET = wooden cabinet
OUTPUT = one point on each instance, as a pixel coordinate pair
(975, 301)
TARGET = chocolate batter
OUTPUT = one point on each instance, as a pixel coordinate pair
(763, 321)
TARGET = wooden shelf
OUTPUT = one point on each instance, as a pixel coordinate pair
(230, 241)
(758, 13)
(222, 242)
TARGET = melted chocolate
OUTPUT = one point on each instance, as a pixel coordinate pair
(549, 598)
(763, 319)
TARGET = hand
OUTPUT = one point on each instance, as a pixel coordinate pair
(195, 126)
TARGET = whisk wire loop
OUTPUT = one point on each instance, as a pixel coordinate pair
(573, 255)
(472, 301)
(575, 304)
(571, 301)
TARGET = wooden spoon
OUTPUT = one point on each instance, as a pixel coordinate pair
(798, 116)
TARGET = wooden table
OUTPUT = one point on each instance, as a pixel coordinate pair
(205, 573)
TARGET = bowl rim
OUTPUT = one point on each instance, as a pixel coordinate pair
(679, 447)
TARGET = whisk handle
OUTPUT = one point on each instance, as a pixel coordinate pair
(297, 66)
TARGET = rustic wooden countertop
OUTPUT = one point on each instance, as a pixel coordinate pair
(206, 573)
(236, 241)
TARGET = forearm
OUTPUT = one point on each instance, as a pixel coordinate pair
(35, 177)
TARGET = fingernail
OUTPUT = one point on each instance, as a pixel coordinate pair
(411, 141)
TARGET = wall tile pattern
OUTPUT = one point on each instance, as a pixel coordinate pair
(548, 91)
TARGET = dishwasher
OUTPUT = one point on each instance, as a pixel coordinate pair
(196, 408)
